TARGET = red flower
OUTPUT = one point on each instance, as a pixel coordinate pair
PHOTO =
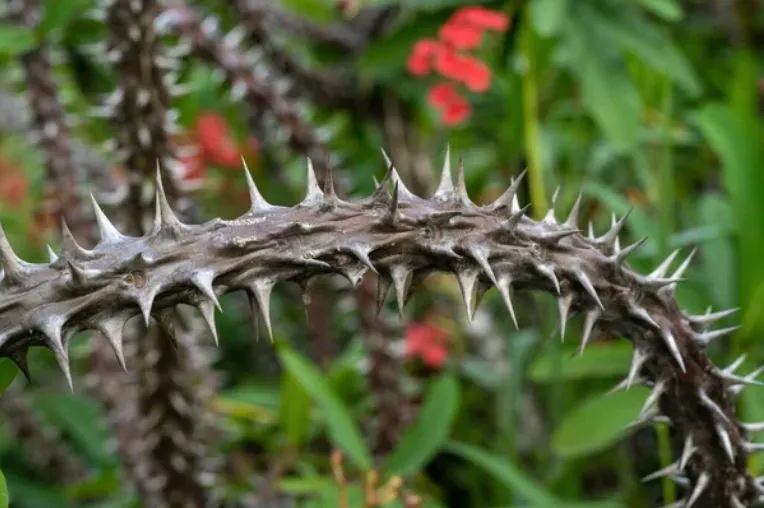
(194, 167)
(481, 18)
(216, 142)
(454, 109)
(420, 60)
(478, 78)
(442, 94)
(456, 112)
(427, 342)
(460, 35)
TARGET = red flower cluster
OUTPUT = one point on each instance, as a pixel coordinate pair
(428, 342)
(215, 146)
(463, 31)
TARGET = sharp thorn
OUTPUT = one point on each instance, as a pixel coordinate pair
(257, 202)
(586, 283)
(107, 231)
(673, 347)
(202, 280)
(590, 320)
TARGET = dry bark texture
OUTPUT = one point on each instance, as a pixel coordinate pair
(402, 237)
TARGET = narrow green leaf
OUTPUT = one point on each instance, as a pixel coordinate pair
(597, 361)
(670, 10)
(606, 89)
(295, 410)
(8, 373)
(342, 430)
(3, 491)
(15, 40)
(506, 472)
(739, 149)
(430, 430)
(598, 422)
(718, 254)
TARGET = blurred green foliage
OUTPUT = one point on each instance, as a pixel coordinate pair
(655, 104)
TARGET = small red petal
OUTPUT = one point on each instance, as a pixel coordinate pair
(456, 112)
(452, 65)
(482, 17)
(418, 65)
(442, 94)
(435, 356)
(427, 48)
(461, 36)
(478, 79)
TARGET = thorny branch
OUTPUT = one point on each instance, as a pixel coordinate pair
(402, 237)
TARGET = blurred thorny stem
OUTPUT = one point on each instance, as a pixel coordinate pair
(531, 120)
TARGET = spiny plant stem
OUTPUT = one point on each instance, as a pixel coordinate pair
(403, 238)
(169, 411)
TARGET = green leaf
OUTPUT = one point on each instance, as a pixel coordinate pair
(3, 491)
(548, 16)
(669, 10)
(650, 42)
(342, 430)
(597, 361)
(718, 254)
(506, 472)
(606, 88)
(15, 40)
(58, 14)
(738, 146)
(8, 373)
(78, 416)
(598, 422)
(295, 410)
(431, 429)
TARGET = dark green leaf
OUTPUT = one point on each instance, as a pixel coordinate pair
(506, 472)
(339, 421)
(430, 430)
(58, 13)
(598, 422)
(8, 373)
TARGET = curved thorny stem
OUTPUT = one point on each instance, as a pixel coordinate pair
(402, 237)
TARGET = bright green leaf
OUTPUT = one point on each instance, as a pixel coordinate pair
(548, 16)
(15, 40)
(506, 472)
(3, 491)
(8, 373)
(431, 429)
(342, 429)
(670, 10)
(295, 410)
(598, 422)
(597, 361)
